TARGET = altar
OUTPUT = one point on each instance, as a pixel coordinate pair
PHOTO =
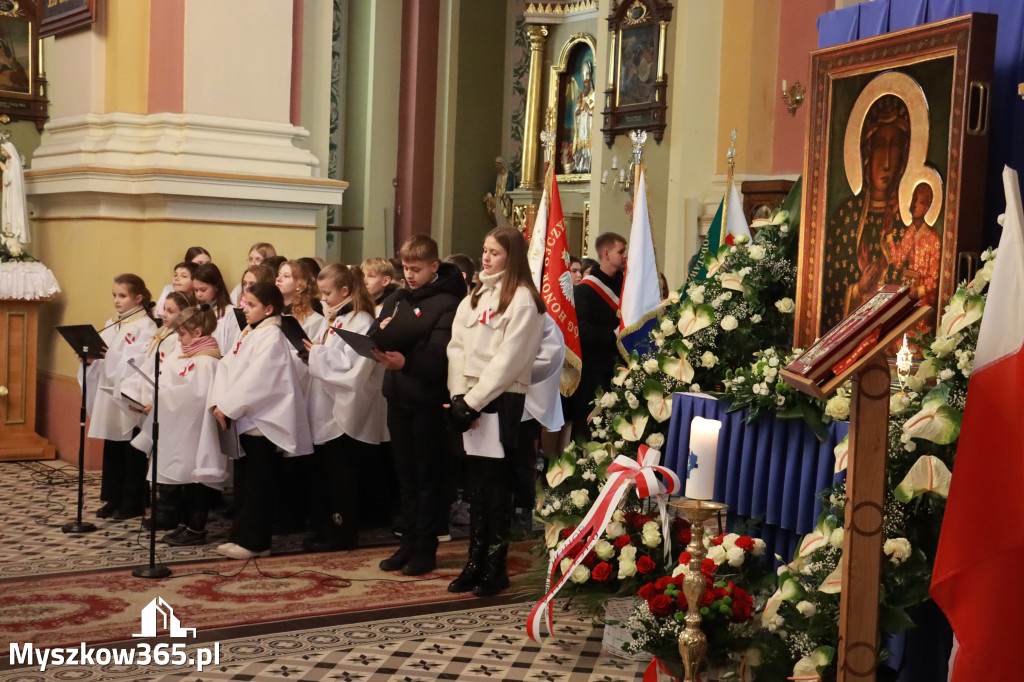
(770, 470)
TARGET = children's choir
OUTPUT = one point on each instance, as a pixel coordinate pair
(237, 402)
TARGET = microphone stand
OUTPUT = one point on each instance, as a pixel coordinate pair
(153, 569)
(79, 526)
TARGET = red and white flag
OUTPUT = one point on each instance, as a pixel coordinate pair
(555, 282)
(981, 548)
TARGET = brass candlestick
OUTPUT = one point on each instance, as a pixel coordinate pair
(693, 643)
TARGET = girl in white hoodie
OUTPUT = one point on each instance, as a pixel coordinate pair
(495, 338)
(347, 412)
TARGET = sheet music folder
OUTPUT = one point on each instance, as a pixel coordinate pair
(240, 319)
(294, 332)
(401, 332)
(84, 339)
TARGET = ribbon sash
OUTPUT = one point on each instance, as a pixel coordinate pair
(623, 473)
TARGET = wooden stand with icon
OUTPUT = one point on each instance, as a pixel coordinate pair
(865, 481)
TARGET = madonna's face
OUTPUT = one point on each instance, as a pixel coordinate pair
(886, 150)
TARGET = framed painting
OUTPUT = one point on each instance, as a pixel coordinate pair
(635, 96)
(571, 98)
(64, 16)
(894, 173)
(22, 90)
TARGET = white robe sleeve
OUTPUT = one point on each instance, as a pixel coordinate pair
(543, 399)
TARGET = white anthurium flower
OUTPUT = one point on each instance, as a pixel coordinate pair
(961, 312)
(928, 475)
(679, 368)
(937, 421)
(837, 537)
(693, 319)
(732, 280)
(780, 217)
(808, 668)
(559, 469)
(553, 534)
(631, 429)
(771, 608)
(833, 583)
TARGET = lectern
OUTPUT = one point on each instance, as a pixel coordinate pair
(19, 351)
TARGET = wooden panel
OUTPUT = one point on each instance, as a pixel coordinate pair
(16, 362)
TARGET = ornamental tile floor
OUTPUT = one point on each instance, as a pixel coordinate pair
(485, 643)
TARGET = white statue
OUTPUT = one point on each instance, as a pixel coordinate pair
(13, 212)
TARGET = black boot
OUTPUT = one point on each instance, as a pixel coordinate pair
(495, 577)
(474, 568)
(400, 558)
(424, 556)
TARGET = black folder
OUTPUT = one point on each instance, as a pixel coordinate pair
(295, 334)
(84, 339)
(401, 332)
(240, 318)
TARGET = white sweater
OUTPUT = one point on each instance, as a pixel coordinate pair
(491, 354)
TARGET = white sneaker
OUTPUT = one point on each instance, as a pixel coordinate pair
(225, 545)
(238, 552)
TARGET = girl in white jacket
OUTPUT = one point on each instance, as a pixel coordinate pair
(127, 336)
(258, 388)
(495, 338)
(347, 412)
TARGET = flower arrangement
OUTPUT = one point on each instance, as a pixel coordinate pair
(732, 571)
(10, 250)
(800, 619)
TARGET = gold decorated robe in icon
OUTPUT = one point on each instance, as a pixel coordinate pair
(853, 241)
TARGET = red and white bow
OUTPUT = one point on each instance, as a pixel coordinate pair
(623, 473)
(486, 316)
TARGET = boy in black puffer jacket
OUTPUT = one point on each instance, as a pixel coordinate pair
(415, 386)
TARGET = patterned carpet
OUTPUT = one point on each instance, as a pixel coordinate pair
(57, 588)
(481, 644)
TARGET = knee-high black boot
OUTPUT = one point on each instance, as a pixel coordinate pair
(498, 509)
(474, 568)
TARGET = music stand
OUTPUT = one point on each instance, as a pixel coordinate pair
(87, 344)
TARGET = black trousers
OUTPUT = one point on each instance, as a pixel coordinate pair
(253, 523)
(123, 483)
(418, 441)
(336, 487)
(194, 505)
(490, 497)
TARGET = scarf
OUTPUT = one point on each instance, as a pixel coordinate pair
(203, 343)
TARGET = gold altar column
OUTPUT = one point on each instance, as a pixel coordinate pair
(531, 127)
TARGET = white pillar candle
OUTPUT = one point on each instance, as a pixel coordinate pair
(700, 465)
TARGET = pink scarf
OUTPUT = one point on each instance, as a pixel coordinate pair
(203, 343)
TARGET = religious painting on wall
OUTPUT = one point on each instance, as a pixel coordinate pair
(571, 99)
(22, 89)
(894, 171)
(635, 95)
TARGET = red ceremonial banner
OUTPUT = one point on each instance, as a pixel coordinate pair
(556, 289)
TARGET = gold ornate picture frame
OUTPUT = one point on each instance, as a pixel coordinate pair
(635, 93)
(894, 172)
(572, 99)
(22, 89)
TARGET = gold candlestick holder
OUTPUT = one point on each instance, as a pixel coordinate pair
(693, 643)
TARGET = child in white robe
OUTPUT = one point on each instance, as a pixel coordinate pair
(301, 296)
(259, 389)
(208, 287)
(191, 466)
(347, 412)
(257, 252)
(127, 337)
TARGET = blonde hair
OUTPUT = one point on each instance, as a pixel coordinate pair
(351, 278)
(378, 266)
(264, 249)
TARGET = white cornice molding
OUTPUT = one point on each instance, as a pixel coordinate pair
(185, 167)
(183, 141)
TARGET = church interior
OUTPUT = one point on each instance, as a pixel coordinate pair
(337, 130)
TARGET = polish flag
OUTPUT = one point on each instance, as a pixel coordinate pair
(981, 547)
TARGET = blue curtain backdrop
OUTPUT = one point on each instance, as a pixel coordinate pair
(870, 19)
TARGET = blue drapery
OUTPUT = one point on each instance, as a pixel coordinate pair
(870, 19)
(772, 468)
